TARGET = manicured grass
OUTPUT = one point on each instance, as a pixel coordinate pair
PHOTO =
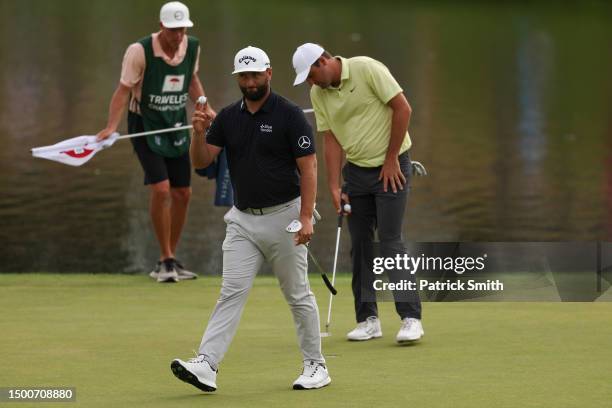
(113, 337)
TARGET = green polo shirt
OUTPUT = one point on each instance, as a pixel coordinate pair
(357, 111)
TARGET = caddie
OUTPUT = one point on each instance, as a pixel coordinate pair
(158, 76)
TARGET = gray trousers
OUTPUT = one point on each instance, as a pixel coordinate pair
(249, 241)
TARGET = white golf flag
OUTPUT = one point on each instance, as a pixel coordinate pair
(74, 152)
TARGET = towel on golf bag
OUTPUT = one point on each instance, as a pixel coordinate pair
(219, 170)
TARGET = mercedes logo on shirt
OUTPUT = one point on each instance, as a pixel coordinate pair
(304, 142)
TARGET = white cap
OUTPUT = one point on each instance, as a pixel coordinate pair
(175, 14)
(251, 59)
(305, 55)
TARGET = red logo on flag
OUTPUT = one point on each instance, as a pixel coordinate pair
(78, 154)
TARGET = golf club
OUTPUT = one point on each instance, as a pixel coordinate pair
(345, 209)
(294, 227)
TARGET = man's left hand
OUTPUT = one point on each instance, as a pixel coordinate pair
(392, 175)
(304, 235)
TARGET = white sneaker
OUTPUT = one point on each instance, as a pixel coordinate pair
(370, 329)
(167, 271)
(195, 371)
(183, 274)
(411, 330)
(155, 272)
(314, 375)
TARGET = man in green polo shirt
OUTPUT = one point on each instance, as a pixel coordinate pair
(363, 113)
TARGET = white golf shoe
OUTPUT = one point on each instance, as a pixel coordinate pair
(195, 371)
(155, 272)
(314, 375)
(183, 274)
(370, 329)
(167, 272)
(411, 330)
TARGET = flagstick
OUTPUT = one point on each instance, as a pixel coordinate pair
(129, 136)
(155, 132)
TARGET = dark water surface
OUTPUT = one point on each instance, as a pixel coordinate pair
(512, 117)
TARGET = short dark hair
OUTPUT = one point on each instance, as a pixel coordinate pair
(325, 55)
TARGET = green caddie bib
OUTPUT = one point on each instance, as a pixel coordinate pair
(165, 91)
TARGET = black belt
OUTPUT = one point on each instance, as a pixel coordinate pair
(268, 210)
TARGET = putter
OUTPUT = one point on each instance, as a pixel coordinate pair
(346, 209)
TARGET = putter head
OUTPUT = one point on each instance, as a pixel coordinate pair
(418, 169)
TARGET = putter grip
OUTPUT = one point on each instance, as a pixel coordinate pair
(328, 284)
(342, 213)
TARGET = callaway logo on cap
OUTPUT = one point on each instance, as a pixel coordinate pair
(246, 59)
(251, 59)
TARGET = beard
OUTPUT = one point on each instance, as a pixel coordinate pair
(257, 94)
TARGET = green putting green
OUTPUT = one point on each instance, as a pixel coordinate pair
(113, 338)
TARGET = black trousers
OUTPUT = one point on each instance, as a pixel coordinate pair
(374, 210)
